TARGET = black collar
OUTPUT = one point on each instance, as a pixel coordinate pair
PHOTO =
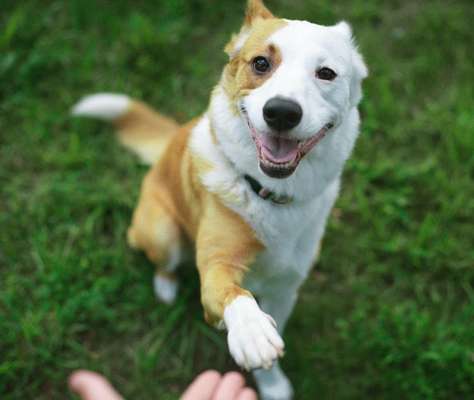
(266, 194)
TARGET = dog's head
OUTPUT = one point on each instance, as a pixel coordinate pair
(292, 82)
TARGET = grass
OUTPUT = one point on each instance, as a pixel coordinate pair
(389, 311)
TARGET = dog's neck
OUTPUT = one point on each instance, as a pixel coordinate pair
(316, 172)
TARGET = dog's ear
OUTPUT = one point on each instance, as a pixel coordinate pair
(359, 69)
(359, 73)
(255, 10)
(344, 29)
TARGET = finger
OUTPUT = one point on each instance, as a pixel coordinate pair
(203, 386)
(229, 387)
(92, 386)
(247, 394)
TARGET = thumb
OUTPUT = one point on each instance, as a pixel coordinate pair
(92, 386)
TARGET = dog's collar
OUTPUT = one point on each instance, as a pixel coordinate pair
(265, 193)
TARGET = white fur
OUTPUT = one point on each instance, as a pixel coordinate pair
(105, 106)
(223, 179)
(239, 42)
(253, 340)
(290, 233)
(165, 288)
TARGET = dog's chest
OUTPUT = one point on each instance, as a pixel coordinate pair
(290, 233)
(291, 236)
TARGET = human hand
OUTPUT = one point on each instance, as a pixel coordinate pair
(209, 385)
(92, 386)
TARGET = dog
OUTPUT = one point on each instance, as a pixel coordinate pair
(251, 182)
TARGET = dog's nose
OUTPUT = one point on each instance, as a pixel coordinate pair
(282, 114)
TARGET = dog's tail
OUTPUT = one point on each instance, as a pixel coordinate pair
(139, 128)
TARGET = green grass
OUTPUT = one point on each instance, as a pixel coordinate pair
(388, 312)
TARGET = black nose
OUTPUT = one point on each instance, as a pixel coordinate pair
(282, 114)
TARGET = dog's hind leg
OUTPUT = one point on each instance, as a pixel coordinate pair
(155, 231)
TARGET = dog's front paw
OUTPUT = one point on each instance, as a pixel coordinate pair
(253, 339)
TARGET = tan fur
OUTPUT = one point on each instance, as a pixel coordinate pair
(256, 10)
(174, 205)
(226, 246)
(239, 77)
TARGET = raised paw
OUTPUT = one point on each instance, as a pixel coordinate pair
(253, 339)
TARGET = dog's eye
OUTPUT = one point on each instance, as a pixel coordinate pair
(261, 65)
(326, 74)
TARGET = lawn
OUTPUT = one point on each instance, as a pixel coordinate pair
(388, 313)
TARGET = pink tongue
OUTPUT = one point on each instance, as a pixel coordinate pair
(278, 150)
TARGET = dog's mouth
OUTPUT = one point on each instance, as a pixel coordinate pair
(279, 156)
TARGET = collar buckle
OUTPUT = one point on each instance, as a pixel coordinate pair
(265, 193)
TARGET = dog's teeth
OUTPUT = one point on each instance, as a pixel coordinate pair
(277, 166)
